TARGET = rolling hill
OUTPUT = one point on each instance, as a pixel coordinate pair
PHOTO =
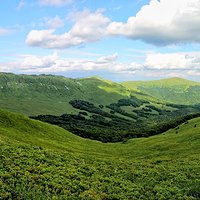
(92, 107)
(48, 94)
(42, 161)
(174, 90)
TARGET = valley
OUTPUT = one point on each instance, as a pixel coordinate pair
(44, 161)
(96, 108)
(148, 148)
(100, 100)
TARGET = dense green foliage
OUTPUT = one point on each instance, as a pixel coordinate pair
(128, 118)
(35, 173)
(175, 90)
(41, 161)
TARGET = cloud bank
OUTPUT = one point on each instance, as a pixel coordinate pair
(54, 63)
(157, 64)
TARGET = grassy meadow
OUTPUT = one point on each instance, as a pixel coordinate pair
(42, 161)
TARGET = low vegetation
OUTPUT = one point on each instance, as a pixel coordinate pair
(41, 161)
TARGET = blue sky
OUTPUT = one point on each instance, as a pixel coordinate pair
(114, 39)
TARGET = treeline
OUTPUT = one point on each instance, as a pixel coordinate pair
(91, 108)
(98, 128)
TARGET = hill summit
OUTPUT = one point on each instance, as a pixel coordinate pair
(174, 90)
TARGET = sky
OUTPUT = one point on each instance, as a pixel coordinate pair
(118, 40)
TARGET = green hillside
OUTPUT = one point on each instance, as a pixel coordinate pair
(174, 90)
(41, 161)
(92, 107)
(48, 94)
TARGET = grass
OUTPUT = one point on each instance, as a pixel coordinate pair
(47, 94)
(41, 161)
(174, 90)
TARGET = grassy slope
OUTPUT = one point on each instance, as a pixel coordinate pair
(33, 95)
(18, 128)
(175, 90)
(41, 161)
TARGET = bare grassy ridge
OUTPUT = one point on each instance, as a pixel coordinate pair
(174, 90)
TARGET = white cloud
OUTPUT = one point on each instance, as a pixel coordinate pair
(88, 27)
(173, 61)
(54, 63)
(162, 22)
(54, 23)
(156, 65)
(47, 39)
(55, 2)
(32, 62)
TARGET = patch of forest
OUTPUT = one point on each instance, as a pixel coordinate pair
(113, 123)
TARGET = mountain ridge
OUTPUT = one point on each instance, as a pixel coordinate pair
(36, 91)
(174, 90)
(42, 90)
